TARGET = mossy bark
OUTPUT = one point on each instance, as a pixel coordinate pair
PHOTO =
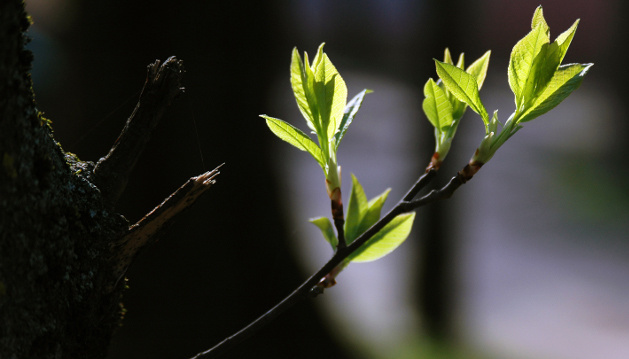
(56, 294)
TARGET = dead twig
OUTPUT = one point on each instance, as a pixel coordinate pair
(162, 86)
(146, 231)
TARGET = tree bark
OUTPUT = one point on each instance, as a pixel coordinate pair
(60, 252)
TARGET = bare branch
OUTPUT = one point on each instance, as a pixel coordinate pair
(447, 191)
(147, 229)
(163, 84)
(421, 183)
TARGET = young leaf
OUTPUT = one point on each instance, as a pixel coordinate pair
(565, 39)
(436, 106)
(362, 214)
(521, 64)
(327, 230)
(538, 19)
(461, 62)
(547, 62)
(356, 209)
(458, 107)
(479, 68)
(386, 240)
(544, 66)
(565, 80)
(295, 137)
(302, 85)
(374, 209)
(331, 93)
(447, 57)
(463, 86)
(348, 116)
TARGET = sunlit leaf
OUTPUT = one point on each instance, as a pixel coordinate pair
(479, 68)
(386, 240)
(538, 19)
(565, 39)
(295, 137)
(563, 83)
(327, 230)
(357, 206)
(374, 209)
(348, 116)
(522, 63)
(447, 57)
(463, 86)
(461, 62)
(331, 93)
(436, 106)
(302, 85)
(548, 61)
(362, 214)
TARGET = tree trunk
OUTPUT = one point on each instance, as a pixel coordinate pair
(56, 294)
(63, 249)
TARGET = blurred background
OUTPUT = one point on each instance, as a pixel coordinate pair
(528, 260)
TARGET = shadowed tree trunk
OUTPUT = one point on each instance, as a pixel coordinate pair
(55, 230)
(63, 248)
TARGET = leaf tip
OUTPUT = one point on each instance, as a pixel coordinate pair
(586, 68)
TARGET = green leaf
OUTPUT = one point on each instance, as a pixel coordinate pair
(302, 83)
(447, 57)
(356, 209)
(386, 240)
(544, 66)
(327, 230)
(374, 209)
(461, 62)
(538, 19)
(362, 214)
(295, 137)
(348, 116)
(565, 80)
(436, 106)
(522, 62)
(548, 61)
(565, 39)
(458, 107)
(479, 68)
(463, 86)
(331, 93)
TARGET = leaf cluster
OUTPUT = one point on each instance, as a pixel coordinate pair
(443, 108)
(321, 96)
(361, 215)
(536, 76)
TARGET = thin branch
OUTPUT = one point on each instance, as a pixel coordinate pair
(162, 86)
(421, 183)
(447, 191)
(312, 286)
(145, 231)
(305, 290)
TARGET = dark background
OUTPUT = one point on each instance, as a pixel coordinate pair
(229, 258)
